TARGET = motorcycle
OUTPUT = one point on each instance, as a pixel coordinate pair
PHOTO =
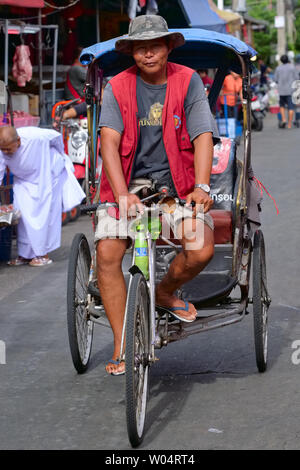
(75, 137)
(257, 113)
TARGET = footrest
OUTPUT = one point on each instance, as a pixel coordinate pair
(207, 287)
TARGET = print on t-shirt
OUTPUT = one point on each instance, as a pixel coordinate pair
(154, 116)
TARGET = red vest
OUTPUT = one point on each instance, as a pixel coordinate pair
(176, 139)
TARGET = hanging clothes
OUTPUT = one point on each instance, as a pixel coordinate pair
(22, 68)
(135, 6)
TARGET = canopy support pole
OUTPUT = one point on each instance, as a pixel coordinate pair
(40, 62)
(6, 54)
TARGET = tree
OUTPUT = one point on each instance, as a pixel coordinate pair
(264, 41)
(297, 26)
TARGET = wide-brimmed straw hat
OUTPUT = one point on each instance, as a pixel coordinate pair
(145, 28)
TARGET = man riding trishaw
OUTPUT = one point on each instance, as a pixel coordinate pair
(156, 125)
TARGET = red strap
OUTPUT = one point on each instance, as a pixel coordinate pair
(72, 90)
(260, 186)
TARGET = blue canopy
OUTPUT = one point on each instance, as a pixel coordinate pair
(198, 14)
(202, 49)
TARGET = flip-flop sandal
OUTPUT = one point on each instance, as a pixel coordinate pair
(172, 310)
(19, 261)
(117, 363)
(40, 261)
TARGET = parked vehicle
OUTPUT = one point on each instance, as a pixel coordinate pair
(75, 138)
(257, 113)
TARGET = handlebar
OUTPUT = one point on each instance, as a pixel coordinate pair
(84, 208)
(70, 103)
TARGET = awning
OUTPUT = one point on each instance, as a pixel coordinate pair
(199, 15)
(233, 20)
(24, 3)
(255, 23)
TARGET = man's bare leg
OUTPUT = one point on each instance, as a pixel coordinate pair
(111, 282)
(185, 267)
(282, 112)
(291, 115)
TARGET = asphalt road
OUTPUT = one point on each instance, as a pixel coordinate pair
(205, 392)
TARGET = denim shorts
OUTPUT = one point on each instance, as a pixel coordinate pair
(286, 101)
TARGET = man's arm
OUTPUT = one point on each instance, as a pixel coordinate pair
(110, 142)
(2, 168)
(203, 158)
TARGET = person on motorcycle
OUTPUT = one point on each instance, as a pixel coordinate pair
(155, 124)
(80, 109)
(76, 77)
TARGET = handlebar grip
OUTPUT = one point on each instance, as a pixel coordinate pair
(93, 207)
(183, 202)
(70, 104)
(88, 208)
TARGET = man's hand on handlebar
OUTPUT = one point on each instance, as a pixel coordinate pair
(130, 205)
(69, 114)
(202, 201)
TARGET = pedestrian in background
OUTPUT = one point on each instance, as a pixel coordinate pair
(232, 88)
(204, 77)
(285, 75)
(44, 186)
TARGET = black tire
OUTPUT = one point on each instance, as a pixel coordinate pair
(137, 358)
(259, 125)
(261, 301)
(74, 213)
(65, 218)
(80, 327)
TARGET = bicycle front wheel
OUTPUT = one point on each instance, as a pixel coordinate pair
(137, 357)
(80, 327)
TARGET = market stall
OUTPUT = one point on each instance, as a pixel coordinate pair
(10, 29)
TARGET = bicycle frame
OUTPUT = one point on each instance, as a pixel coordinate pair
(148, 233)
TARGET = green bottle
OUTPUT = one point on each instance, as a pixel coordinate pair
(141, 251)
(155, 227)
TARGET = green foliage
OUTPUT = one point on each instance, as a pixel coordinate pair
(297, 27)
(264, 41)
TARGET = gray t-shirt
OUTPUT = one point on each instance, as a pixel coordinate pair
(151, 158)
(285, 75)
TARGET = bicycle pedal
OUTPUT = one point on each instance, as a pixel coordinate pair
(93, 290)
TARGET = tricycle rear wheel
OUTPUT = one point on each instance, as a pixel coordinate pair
(260, 301)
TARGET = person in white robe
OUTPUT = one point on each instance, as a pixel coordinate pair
(44, 186)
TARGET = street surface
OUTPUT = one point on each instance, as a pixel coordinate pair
(205, 392)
